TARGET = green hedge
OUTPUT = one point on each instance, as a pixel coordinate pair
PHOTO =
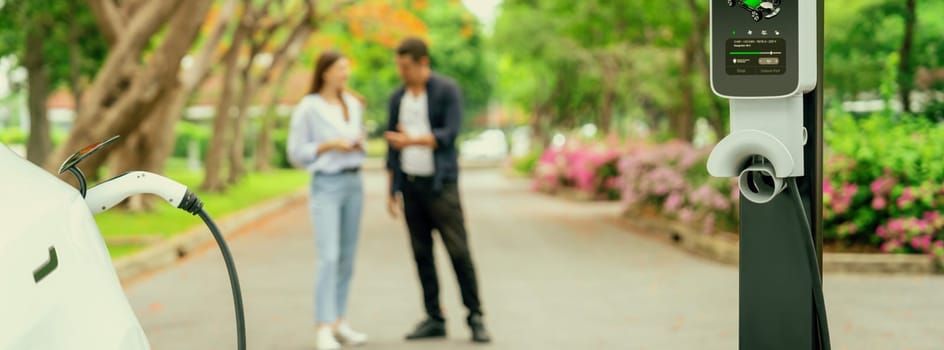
(280, 158)
(13, 136)
(187, 132)
(527, 163)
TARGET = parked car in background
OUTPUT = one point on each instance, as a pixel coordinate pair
(491, 144)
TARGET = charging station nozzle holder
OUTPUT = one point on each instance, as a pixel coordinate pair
(764, 147)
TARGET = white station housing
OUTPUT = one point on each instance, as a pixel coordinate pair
(763, 65)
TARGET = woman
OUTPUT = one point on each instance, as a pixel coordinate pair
(326, 138)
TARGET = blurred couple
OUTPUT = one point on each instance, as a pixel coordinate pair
(327, 139)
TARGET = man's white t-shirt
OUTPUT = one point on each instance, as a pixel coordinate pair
(414, 117)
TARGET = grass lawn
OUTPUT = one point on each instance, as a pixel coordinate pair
(376, 148)
(122, 250)
(167, 221)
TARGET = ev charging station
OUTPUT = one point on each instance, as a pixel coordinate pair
(766, 58)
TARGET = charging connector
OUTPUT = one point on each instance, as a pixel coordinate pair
(111, 192)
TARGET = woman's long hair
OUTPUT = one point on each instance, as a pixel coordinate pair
(324, 62)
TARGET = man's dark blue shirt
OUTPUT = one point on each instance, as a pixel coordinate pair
(445, 118)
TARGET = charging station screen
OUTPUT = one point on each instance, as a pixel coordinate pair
(754, 48)
(756, 56)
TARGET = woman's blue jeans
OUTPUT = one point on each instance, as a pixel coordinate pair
(335, 203)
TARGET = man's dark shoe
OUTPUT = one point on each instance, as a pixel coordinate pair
(479, 334)
(430, 328)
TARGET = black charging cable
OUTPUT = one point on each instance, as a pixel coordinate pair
(189, 203)
(192, 205)
(818, 298)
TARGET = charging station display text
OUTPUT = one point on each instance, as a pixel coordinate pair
(756, 56)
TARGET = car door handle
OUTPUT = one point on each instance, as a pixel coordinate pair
(48, 267)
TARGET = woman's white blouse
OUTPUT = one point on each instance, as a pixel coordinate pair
(315, 121)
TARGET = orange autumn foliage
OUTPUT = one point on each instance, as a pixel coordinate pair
(383, 22)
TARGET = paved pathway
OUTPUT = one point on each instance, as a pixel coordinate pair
(554, 275)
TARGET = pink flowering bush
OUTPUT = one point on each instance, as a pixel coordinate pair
(672, 177)
(587, 167)
(669, 177)
(882, 182)
(881, 186)
(548, 173)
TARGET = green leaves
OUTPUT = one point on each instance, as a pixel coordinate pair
(896, 166)
(369, 30)
(860, 36)
(607, 62)
(59, 22)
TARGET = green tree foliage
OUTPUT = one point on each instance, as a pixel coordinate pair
(66, 24)
(369, 31)
(862, 35)
(559, 59)
(600, 61)
(44, 38)
(458, 51)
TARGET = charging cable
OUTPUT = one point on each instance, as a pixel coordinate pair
(111, 192)
(233, 279)
(818, 299)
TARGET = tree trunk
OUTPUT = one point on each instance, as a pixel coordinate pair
(683, 121)
(538, 126)
(191, 80)
(109, 19)
(285, 58)
(223, 144)
(250, 84)
(124, 91)
(220, 138)
(75, 60)
(238, 146)
(905, 69)
(717, 119)
(40, 144)
(264, 146)
(606, 109)
(147, 148)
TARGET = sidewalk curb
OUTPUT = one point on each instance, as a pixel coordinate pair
(169, 251)
(725, 249)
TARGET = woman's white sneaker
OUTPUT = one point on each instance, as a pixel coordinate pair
(325, 340)
(350, 336)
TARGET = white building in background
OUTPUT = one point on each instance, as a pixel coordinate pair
(5, 64)
(9, 106)
(919, 100)
(203, 113)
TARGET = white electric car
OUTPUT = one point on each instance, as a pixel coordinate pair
(58, 287)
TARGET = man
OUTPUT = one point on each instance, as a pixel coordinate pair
(425, 115)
